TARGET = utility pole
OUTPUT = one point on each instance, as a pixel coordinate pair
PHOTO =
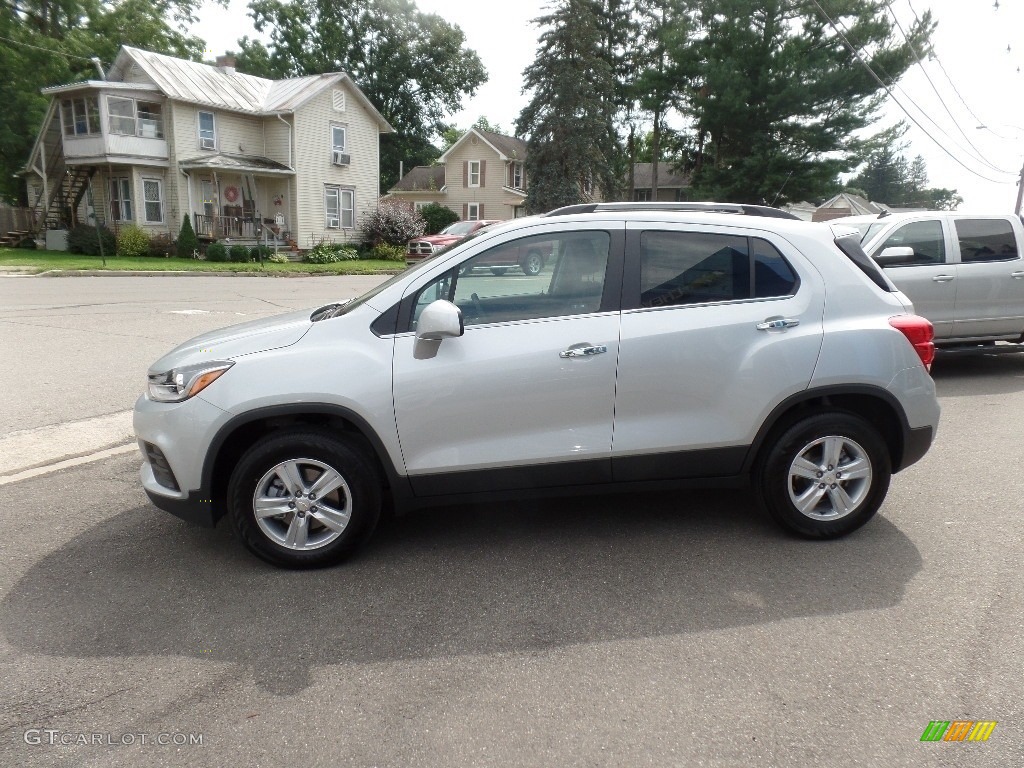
(1020, 191)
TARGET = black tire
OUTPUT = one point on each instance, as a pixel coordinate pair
(780, 484)
(499, 271)
(345, 456)
(533, 263)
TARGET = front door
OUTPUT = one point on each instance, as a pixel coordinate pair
(717, 329)
(525, 398)
(929, 277)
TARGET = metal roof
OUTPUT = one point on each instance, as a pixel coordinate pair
(237, 163)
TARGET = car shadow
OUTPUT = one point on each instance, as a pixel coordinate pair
(514, 577)
(994, 370)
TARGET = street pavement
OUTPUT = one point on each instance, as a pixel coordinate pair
(672, 629)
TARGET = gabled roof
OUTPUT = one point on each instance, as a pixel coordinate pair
(207, 85)
(422, 178)
(643, 176)
(506, 147)
(857, 204)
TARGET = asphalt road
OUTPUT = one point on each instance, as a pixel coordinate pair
(674, 629)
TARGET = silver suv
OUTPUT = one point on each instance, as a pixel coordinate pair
(658, 345)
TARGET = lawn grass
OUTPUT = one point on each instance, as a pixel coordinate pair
(44, 261)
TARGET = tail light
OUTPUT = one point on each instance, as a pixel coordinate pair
(919, 333)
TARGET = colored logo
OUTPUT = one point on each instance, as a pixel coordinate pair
(958, 730)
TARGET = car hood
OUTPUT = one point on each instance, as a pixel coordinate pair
(237, 340)
(439, 239)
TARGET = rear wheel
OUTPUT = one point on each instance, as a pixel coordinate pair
(533, 263)
(826, 475)
(304, 499)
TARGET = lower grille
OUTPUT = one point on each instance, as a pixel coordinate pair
(161, 468)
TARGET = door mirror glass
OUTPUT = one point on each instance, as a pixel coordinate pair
(440, 320)
(895, 255)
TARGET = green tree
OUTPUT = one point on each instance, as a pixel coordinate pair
(777, 98)
(569, 119)
(888, 178)
(413, 66)
(187, 242)
(436, 217)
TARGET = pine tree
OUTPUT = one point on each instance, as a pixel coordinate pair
(569, 120)
(187, 242)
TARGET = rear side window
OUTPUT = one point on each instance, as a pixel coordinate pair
(985, 240)
(680, 268)
(850, 245)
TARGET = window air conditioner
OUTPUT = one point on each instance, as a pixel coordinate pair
(333, 223)
(206, 143)
(340, 158)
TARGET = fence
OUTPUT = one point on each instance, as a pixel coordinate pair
(14, 219)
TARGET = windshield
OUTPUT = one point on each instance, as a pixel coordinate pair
(459, 228)
(867, 230)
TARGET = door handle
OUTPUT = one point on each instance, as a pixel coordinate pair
(777, 324)
(1017, 275)
(943, 278)
(584, 350)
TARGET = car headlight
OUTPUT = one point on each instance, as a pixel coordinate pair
(180, 384)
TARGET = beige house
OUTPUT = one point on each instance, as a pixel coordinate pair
(673, 186)
(481, 176)
(247, 159)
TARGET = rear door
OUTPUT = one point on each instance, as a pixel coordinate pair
(718, 326)
(929, 277)
(990, 295)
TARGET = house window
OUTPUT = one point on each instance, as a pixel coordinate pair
(150, 120)
(122, 115)
(643, 195)
(339, 207)
(516, 175)
(474, 173)
(339, 137)
(81, 117)
(207, 131)
(121, 199)
(472, 211)
(153, 194)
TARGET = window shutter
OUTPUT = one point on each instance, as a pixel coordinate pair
(483, 164)
(338, 100)
(480, 208)
(465, 173)
(465, 211)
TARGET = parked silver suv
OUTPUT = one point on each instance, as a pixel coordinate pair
(658, 345)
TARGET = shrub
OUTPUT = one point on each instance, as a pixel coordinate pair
(259, 253)
(239, 253)
(84, 239)
(388, 252)
(326, 252)
(28, 243)
(162, 245)
(278, 258)
(216, 252)
(437, 217)
(393, 222)
(187, 243)
(132, 241)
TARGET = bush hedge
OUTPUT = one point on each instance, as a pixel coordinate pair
(239, 254)
(187, 243)
(388, 252)
(437, 217)
(393, 222)
(132, 242)
(84, 239)
(216, 252)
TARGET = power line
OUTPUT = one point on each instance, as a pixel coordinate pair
(47, 50)
(942, 101)
(888, 91)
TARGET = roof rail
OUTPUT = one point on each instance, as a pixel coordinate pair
(736, 208)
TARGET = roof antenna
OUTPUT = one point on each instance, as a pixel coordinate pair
(781, 188)
(99, 66)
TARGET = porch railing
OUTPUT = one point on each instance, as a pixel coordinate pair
(218, 227)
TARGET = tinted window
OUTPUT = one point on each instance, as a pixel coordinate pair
(986, 240)
(492, 287)
(679, 268)
(925, 237)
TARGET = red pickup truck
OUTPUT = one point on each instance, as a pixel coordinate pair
(499, 260)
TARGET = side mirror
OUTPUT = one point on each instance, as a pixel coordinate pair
(440, 320)
(903, 254)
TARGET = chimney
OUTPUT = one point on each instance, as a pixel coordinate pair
(226, 64)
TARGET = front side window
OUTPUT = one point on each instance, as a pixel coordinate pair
(207, 131)
(474, 173)
(925, 237)
(152, 190)
(121, 199)
(681, 268)
(495, 287)
(121, 113)
(985, 240)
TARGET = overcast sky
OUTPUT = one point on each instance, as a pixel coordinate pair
(970, 44)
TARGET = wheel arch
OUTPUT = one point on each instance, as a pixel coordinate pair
(877, 406)
(238, 434)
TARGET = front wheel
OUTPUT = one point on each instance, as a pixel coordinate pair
(304, 499)
(825, 476)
